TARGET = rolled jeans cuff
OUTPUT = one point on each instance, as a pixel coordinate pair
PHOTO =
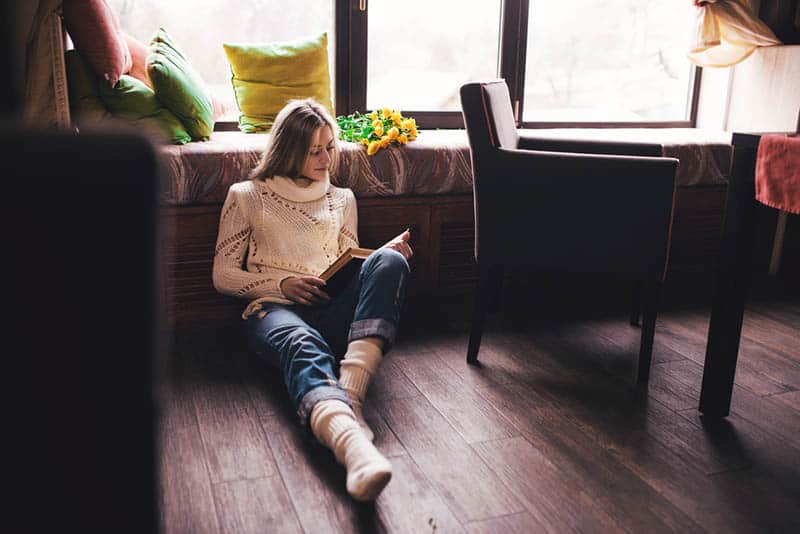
(317, 394)
(373, 327)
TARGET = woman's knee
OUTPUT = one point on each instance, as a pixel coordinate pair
(282, 332)
(386, 259)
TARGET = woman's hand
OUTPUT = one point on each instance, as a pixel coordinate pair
(400, 244)
(304, 290)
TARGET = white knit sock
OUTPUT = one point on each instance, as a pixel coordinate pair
(357, 368)
(368, 471)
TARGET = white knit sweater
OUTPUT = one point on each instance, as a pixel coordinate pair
(272, 229)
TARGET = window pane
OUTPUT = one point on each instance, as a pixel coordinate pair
(608, 60)
(200, 27)
(421, 51)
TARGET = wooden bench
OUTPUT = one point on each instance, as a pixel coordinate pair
(424, 186)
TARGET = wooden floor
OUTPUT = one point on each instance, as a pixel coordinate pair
(547, 436)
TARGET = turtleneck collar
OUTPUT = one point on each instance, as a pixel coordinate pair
(288, 189)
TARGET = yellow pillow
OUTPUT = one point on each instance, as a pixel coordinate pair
(266, 76)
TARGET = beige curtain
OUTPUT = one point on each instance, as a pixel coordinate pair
(727, 32)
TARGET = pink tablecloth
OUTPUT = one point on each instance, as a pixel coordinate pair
(778, 172)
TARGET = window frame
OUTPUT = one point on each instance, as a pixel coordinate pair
(350, 34)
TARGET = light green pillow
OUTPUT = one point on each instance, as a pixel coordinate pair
(179, 87)
(266, 76)
(136, 104)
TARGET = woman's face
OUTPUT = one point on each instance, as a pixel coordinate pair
(320, 155)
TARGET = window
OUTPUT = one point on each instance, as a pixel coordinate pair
(608, 61)
(418, 56)
(200, 27)
(585, 62)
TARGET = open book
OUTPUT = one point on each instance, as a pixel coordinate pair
(343, 269)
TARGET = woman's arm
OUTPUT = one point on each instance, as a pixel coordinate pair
(229, 275)
(348, 233)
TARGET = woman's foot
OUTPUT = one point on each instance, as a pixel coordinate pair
(334, 424)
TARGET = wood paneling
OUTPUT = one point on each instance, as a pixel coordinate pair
(442, 237)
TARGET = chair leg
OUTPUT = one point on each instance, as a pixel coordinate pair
(483, 291)
(636, 303)
(652, 293)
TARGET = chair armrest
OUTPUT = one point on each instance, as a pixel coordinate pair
(612, 168)
(589, 146)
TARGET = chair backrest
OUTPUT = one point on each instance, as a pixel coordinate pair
(489, 121)
(488, 116)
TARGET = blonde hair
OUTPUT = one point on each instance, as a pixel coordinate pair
(290, 139)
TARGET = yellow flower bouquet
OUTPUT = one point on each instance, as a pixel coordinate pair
(378, 129)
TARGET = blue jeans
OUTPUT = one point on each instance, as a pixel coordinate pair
(307, 342)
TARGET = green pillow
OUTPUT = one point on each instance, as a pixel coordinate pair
(135, 103)
(84, 100)
(266, 76)
(179, 87)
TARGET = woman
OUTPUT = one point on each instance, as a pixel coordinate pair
(277, 231)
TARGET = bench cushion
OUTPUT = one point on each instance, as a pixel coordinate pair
(436, 163)
(704, 155)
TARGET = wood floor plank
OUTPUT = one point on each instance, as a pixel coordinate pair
(186, 498)
(234, 441)
(773, 416)
(556, 503)
(768, 347)
(757, 368)
(615, 343)
(785, 312)
(612, 397)
(175, 392)
(618, 331)
(779, 336)
(672, 471)
(673, 393)
(555, 362)
(390, 382)
(669, 454)
(522, 523)
(628, 500)
(465, 410)
(767, 455)
(409, 504)
(262, 382)
(315, 482)
(385, 439)
(790, 398)
(496, 364)
(621, 341)
(664, 451)
(694, 447)
(748, 490)
(470, 489)
(255, 505)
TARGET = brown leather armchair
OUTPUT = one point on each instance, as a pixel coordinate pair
(565, 205)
